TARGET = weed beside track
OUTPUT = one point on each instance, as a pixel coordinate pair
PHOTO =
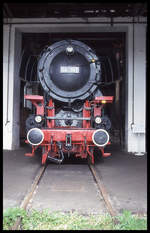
(46, 220)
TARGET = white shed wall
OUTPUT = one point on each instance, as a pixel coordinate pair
(136, 89)
(11, 87)
(7, 88)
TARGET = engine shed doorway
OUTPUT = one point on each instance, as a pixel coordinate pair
(110, 46)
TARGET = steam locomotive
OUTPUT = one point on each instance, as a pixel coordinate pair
(69, 117)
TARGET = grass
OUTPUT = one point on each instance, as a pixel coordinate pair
(46, 220)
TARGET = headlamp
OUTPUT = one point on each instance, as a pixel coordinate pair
(98, 120)
(38, 119)
(69, 49)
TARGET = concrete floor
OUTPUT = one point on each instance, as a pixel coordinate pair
(18, 174)
(124, 175)
(125, 178)
(68, 187)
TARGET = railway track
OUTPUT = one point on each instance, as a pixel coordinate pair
(29, 195)
(104, 193)
(100, 186)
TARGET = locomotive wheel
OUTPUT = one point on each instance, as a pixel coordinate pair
(98, 155)
(89, 161)
(43, 151)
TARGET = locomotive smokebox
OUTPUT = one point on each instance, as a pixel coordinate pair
(69, 70)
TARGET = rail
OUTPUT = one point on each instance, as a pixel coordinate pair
(29, 195)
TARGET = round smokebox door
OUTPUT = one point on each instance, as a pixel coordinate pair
(70, 73)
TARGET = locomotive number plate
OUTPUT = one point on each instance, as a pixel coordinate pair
(69, 69)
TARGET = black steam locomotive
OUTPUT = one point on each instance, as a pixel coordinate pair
(69, 116)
